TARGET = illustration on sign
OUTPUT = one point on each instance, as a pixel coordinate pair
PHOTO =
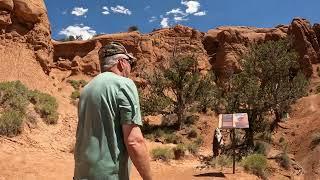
(238, 120)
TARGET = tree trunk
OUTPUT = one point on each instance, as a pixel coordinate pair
(274, 124)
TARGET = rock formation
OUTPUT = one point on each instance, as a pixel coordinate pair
(151, 49)
(25, 42)
(26, 22)
(219, 48)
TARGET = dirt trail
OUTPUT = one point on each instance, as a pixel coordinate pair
(32, 164)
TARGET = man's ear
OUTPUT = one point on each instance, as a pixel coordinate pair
(120, 65)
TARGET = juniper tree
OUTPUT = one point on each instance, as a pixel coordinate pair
(177, 88)
(270, 81)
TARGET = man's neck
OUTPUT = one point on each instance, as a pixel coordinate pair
(115, 71)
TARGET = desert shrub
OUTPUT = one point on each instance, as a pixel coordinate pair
(179, 151)
(77, 84)
(75, 95)
(318, 89)
(256, 164)
(172, 138)
(14, 95)
(14, 98)
(193, 148)
(192, 133)
(11, 123)
(284, 160)
(222, 161)
(191, 119)
(164, 154)
(261, 147)
(13, 103)
(46, 105)
(315, 140)
(199, 141)
(318, 71)
(281, 140)
(133, 28)
(159, 133)
(149, 136)
(264, 136)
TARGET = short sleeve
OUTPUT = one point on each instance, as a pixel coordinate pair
(128, 103)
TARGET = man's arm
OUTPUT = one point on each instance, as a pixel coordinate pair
(137, 149)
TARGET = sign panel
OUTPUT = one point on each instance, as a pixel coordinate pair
(230, 121)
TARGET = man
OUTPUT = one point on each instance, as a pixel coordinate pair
(217, 142)
(109, 122)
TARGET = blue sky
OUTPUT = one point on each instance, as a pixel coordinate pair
(89, 17)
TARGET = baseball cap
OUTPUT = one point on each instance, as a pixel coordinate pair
(114, 48)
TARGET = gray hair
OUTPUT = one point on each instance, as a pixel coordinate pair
(110, 61)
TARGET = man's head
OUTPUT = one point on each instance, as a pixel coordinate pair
(114, 57)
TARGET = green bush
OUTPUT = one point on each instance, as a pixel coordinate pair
(281, 140)
(318, 89)
(256, 164)
(315, 140)
(14, 95)
(199, 141)
(284, 160)
(222, 161)
(164, 154)
(14, 98)
(77, 84)
(11, 123)
(133, 28)
(261, 147)
(179, 151)
(149, 136)
(75, 95)
(192, 133)
(191, 119)
(193, 148)
(45, 105)
(172, 138)
(264, 136)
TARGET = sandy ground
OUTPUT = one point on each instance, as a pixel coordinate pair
(32, 164)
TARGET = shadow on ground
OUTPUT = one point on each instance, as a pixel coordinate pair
(211, 174)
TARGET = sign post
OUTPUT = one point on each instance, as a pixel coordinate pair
(233, 121)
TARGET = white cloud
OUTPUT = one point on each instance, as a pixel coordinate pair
(202, 13)
(106, 10)
(164, 22)
(84, 31)
(147, 7)
(192, 6)
(79, 11)
(121, 10)
(152, 19)
(175, 11)
(178, 18)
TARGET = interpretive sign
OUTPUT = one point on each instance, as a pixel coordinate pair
(231, 121)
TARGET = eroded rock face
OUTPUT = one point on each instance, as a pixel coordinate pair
(305, 43)
(27, 22)
(226, 45)
(6, 5)
(151, 50)
(219, 49)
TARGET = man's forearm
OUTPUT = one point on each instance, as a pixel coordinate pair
(139, 155)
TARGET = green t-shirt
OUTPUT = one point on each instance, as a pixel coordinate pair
(107, 102)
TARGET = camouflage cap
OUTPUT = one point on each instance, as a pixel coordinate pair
(114, 48)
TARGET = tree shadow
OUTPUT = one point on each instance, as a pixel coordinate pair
(211, 174)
